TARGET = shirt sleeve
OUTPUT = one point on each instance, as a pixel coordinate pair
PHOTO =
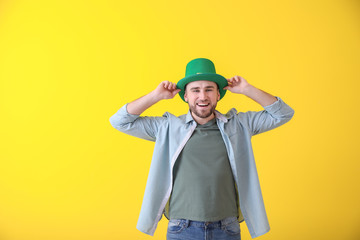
(272, 116)
(134, 125)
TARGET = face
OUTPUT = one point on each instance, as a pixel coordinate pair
(202, 97)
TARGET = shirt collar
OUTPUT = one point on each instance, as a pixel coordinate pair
(218, 115)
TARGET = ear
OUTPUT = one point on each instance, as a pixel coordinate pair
(218, 95)
(185, 97)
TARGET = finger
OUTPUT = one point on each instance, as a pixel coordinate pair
(171, 87)
(175, 92)
(166, 83)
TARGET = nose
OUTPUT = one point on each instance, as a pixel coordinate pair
(202, 95)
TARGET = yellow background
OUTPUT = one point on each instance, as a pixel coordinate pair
(67, 66)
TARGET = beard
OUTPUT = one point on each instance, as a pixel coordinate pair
(205, 113)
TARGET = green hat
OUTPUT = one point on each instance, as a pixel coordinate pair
(201, 69)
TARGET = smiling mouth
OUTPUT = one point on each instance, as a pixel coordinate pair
(202, 104)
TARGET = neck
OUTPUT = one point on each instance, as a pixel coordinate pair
(202, 121)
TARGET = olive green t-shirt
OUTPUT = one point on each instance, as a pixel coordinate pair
(203, 186)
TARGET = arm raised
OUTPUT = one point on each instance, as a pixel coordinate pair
(276, 112)
(127, 119)
(165, 90)
(239, 85)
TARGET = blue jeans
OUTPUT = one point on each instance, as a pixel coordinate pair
(182, 229)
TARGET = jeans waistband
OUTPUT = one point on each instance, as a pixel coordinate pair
(219, 223)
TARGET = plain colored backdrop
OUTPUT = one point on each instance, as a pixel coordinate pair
(67, 66)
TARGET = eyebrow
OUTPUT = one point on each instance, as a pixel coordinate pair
(194, 88)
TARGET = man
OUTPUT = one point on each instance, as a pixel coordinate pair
(203, 175)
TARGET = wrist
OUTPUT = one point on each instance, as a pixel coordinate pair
(155, 97)
(247, 90)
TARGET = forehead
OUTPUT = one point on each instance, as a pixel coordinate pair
(201, 84)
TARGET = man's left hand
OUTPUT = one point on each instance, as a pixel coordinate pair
(237, 84)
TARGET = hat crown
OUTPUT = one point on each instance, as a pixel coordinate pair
(201, 69)
(199, 66)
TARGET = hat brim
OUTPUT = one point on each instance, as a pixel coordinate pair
(213, 77)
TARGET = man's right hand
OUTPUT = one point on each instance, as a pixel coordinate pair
(166, 90)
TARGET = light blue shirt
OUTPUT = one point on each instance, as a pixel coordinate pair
(171, 133)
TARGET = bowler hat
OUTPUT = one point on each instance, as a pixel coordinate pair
(201, 69)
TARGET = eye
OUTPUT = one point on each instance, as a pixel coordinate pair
(196, 90)
(209, 90)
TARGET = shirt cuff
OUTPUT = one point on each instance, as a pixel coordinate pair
(124, 116)
(274, 106)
